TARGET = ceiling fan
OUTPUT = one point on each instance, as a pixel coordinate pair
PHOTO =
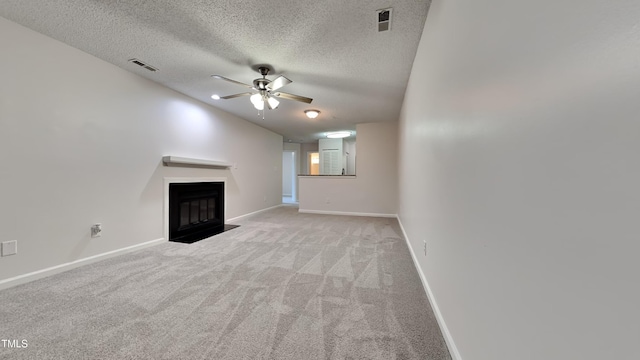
(266, 90)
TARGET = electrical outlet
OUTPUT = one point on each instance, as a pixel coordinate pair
(96, 230)
(9, 247)
(327, 201)
(425, 247)
(264, 199)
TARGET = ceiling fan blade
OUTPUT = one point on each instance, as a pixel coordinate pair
(293, 97)
(235, 95)
(231, 81)
(278, 83)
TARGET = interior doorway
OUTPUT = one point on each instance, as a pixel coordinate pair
(289, 186)
(313, 159)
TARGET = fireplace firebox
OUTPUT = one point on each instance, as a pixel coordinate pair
(196, 211)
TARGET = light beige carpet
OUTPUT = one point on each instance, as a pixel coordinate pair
(282, 286)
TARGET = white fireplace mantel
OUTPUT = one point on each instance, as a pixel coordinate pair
(175, 160)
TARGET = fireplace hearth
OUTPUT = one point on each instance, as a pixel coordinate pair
(196, 211)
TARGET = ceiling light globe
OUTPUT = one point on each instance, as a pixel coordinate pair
(255, 98)
(312, 114)
(273, 102)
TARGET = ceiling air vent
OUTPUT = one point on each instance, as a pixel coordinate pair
(384, 19)
(141, 64)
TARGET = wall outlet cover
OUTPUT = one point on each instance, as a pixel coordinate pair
(96, 230)
(9, 247)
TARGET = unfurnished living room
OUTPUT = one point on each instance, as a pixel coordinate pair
(445, 179)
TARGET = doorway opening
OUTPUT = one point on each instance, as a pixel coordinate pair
(289, 186)
(313, 159)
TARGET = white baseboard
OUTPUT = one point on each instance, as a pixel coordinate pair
(453, 350)
(238, 218)
(323, 212)
(25, 278)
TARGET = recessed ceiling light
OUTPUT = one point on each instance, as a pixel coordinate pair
(312, 114)
(338, 134)
(215, 97)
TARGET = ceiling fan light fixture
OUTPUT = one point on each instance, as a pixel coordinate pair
(265, 90)
(338, 134)
(312, 114)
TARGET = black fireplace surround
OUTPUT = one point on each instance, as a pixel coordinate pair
(196, 211)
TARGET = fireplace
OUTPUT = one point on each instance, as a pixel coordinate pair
(196, 211)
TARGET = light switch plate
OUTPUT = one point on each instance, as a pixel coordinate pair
(9, 247)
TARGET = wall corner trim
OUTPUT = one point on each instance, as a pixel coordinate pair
(39, 274)
(453, 350)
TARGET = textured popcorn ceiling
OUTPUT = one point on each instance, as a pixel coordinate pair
(330, 49)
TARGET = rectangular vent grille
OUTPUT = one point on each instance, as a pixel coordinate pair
(141, 64)
(384, 19)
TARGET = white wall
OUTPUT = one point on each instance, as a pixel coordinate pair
(82, 142)
(372, 191)
(519, 148)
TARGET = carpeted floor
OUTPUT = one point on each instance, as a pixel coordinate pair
(284, 285)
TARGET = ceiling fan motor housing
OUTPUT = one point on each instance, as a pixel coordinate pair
(261, 84)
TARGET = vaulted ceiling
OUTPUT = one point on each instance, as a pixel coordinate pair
(331, 50)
